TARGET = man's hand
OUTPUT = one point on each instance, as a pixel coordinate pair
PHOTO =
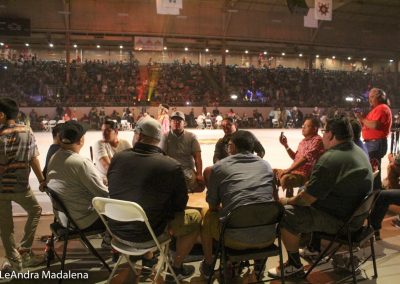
(283, 140)
(284, 172)
(200, 179)
(42, 186)
(283, 201)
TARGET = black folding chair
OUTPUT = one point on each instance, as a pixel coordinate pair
(67, 232)
(255, 215)
(353, 239)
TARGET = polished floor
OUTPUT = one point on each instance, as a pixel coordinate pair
(79, 260)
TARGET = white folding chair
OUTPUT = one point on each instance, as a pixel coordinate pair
(45, 125)
(52, 123)
(208, 123)
(124, 125)
(126, 211)
(275, 123)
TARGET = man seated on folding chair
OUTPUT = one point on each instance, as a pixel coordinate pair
(106, 148)
(145, 175)
(306, 155)
(75, 179)
(229, 127)
(239, 179)
(339, 182)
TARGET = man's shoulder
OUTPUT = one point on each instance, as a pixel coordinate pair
(124, 144)
(100, 143)
(16, 128)
(189, 135)
(312, 139)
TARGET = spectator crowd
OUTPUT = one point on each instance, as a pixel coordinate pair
(43, 83)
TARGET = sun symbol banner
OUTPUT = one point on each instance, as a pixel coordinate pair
(323, 10)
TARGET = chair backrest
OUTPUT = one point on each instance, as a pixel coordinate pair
(119, 210)
(59, 207)
(254, 214)
(366, 205)
(246, 218)
(122, 211)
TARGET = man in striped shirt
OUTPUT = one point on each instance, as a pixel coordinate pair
(18, 154)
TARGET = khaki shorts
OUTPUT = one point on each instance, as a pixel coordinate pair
(212, 227)
(307, 219)
(185, 223)
(289, 180)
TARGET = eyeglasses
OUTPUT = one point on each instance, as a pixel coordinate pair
(324, 130)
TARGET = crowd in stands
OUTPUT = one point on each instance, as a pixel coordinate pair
(43, 83)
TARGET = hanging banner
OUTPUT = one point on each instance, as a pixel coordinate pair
(168, 7)
(323, 10)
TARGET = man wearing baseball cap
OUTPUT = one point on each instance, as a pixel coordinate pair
(184, 147)
(156, 182)
(75, 178)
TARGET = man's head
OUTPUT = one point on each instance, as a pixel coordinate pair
(72, 135)
(241, 141)
(228, 126)
(147, 131)
(8, 109)
(310, 127)
(377, 96)
(110, 131)
(177, 122)
(55, 132)
(336, 131)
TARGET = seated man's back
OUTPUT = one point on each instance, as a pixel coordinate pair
(156, 182)
(152, 180)
(340, 180)
(74, 178)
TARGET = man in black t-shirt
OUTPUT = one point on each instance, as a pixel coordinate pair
(145, 175)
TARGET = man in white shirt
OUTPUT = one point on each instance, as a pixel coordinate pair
(106, 148)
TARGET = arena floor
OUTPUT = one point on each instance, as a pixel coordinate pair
(79, 260)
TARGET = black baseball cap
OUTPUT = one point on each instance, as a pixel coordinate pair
(71, 132)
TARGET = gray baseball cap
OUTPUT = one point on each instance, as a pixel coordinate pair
(178, 114)
(149, 126)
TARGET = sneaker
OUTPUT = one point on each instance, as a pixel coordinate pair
(396, 222)
(29, 259)
(290, 271)
(308, 253)
(183, 272)
(106, 245)
(342, 262)
(10, 265)
(150, 263)
(206, 269)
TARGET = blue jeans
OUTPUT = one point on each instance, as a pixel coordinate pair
(386, 198)
(377, 150)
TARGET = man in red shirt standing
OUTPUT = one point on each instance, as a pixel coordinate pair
(376, 127)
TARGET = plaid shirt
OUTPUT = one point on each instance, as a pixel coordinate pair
(311, 149)
(17, 148)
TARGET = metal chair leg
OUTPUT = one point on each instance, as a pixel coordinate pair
(94, 251)
(372, 240)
